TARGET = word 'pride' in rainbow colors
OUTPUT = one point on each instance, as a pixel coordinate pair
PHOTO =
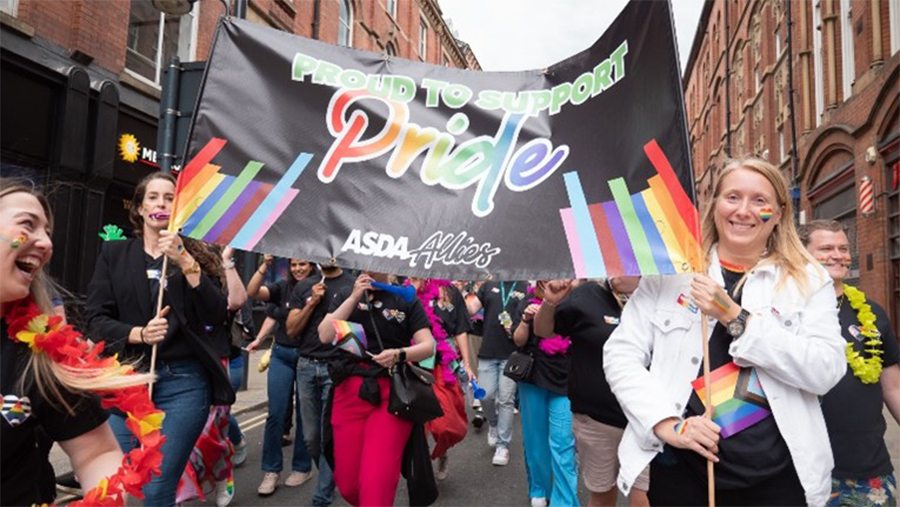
(655, 231)
(235, 210)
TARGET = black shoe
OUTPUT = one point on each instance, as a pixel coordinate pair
(478, 421)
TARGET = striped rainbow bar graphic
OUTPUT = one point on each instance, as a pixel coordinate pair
(733, 410)
(654, 231)
(233, 210)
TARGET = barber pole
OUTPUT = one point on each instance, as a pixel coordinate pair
(866, 196)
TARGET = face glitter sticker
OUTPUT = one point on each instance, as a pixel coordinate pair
(18, 241)
(766, 214)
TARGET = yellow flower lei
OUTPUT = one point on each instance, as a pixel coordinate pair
(867, 370)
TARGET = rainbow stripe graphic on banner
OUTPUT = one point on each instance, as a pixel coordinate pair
(738, 398)
(233, 210)
(350, 336)
(655, 231)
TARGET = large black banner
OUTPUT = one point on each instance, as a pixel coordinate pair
(305, 149)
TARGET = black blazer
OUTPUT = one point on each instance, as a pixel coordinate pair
(118, 300)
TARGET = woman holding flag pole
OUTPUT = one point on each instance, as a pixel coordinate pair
(125, 309)
(774, 348)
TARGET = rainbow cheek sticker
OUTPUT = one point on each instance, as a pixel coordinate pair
(766, 214)
(18, 241)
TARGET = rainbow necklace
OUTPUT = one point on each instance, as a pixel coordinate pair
(868, 370)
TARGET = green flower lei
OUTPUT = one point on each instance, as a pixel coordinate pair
(867, 370)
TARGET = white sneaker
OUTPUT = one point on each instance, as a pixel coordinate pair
(492, 436)
(240, 453)
(224, 492)
(297, 478)
(501, 457)
(268, 484)
(539, 502)
(442, 471)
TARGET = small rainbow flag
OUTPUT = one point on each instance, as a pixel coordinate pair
(350, 336)
(737, 397)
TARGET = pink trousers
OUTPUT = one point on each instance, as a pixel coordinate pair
(368, 445)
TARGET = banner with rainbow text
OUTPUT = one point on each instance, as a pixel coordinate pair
(305, 149)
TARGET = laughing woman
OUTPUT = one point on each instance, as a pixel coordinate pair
(40, 397)
(774, 333)
(121, 300)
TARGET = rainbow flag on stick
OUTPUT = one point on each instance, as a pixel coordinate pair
(737, 396)
(350, 336)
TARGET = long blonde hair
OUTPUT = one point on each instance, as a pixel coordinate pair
(51, 378)
(784, 248)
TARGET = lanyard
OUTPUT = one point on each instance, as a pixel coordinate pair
(504, 297)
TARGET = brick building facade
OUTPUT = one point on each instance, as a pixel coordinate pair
(840, 67)
(82, 87)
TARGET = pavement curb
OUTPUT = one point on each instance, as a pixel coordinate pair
(249, 408)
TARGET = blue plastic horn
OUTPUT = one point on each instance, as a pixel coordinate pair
(478, 392)
(406, 292)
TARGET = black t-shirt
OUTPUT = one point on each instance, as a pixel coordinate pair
(497, 297)
(548, 372)
(453, 314)
(396, 319)
(28, 421)
(853, 410)
(279, 306)
(175, 346)
(310, 345)
(588, 316)
(751, 456)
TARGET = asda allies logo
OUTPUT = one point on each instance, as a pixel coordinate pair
(441, 247)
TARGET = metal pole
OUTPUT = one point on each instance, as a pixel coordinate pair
(168, 105)
(795, 158)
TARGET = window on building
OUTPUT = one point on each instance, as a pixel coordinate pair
(423, 39)
(818, 60)
(757, 79)
(849, 70)
(154, 38)
(893, 208)
(895, 26)
(345, 24)
(777, 42)
(781, 144)
(9, 6)
(391, 6)
(390, 49)
(841, 206)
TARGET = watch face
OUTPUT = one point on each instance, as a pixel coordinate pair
(736, 327)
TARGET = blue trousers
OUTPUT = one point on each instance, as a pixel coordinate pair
(182, 390)
(236, 375)
(499, 402)
(313, 385)
(549, 445)
(282, 374)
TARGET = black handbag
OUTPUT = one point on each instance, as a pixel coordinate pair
(412, 397)
(518, 366)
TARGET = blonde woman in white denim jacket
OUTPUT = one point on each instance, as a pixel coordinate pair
(791, 336)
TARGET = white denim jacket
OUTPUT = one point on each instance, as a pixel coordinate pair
(794, 341)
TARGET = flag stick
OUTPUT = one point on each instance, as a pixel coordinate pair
(162, 278)
(710, 473)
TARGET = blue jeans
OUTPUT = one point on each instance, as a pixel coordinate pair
(499, 399)
(282, 374)
(549, 445)
(313, 386)
(182, 390)
(236, 375)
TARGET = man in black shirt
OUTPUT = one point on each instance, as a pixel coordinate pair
(499, 301)
(853, 408)
(309, 303)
